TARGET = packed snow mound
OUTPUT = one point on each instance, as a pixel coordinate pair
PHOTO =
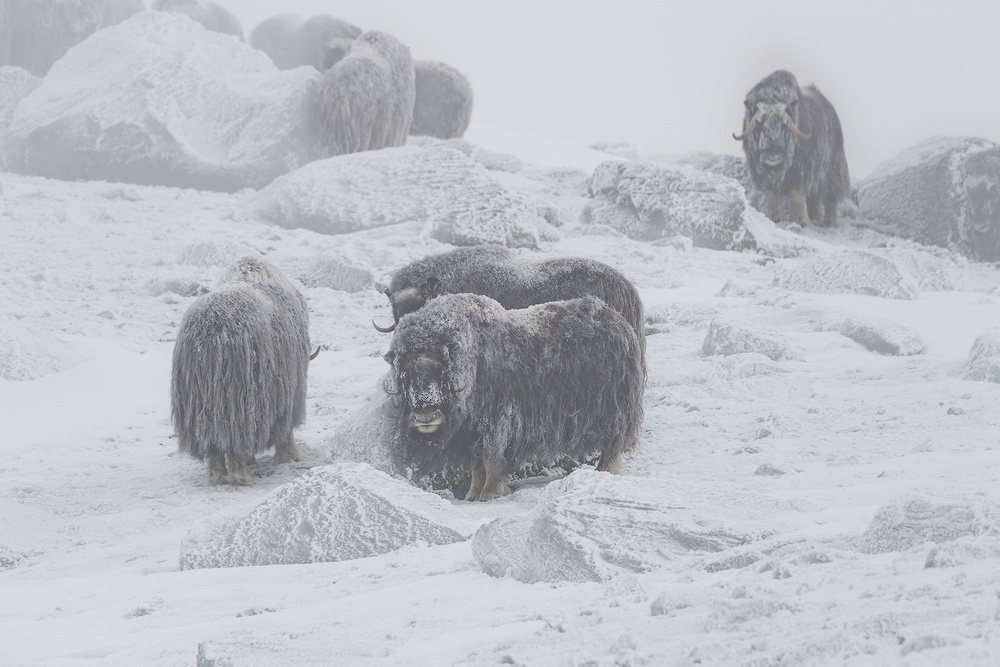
(648, 202)
(984, 358)
(459, 200)
(593, 526)
(944, 192)
(883, 336)
(728, 338)
(848, 272)
(912, 520)
(26, 354)
(331, 513)
(15, 84)
(369, 434)
(159, 100)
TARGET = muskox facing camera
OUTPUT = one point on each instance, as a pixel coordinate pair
(492, 389)
(238, 386)
(795, 149)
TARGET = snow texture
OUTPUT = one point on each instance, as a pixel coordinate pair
(984, 358)
(369, 434)
(594, 526)
(883, 336)
(337, 273)
(849, 272)
(159, 100)
(944, 192)
(28, 355)
(912, 520)
(15, 84)
(331, 513)
(457, 199)
(728, 338)
(649, 202)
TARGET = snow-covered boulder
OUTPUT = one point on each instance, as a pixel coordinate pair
(944, 192)
(592, 526)
(15, 84)
(337, 273)
(984, 358)
(159, 100)
(883, 336)
(462, 203)
(848, 272)
(27, 354)
(728, 338)
(332, 513)
(369, 434)
(912, 520)
(649, 201)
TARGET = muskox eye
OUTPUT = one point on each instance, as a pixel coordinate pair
(389, 357)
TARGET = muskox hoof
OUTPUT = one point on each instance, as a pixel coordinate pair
(287, 451)
(236, 473)
(611, 463)
(487, 481)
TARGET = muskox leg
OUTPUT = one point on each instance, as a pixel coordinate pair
(287, 451)
(775, 208)
(831, 217)
(797, 204)
(812, 206)
(496, 481)
(610, 462)
(478, 477)
(232, 471)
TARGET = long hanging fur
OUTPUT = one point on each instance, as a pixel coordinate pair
(493, 388)
(443, 106)
(210, 15)
(366, 99)
(238, 386)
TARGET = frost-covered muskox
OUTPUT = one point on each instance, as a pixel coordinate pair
(210, 15)
(238, 386)
(498, 273)
(795, 149)
(491, 389)
(42, 31)
(443, 106)
(292, 41)
(366, 99)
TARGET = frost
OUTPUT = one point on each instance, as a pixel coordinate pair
(849, 272)
(338, 274)
(912, 520)
(728, 338)
(26, 354)
(883, 336)
(15, 84)
(984, 358)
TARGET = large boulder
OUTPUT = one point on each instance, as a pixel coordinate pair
(943, 192)
(649, 201)
(158, 100)
(436, 184)
(332, 513)
(848, 272)
(15, 84)
(212, 16)
(984, 358)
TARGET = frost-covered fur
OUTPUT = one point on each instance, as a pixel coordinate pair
(443, 106)
(41, 31)
(239, 371)
(292, 41)
(366, 99)
(210, 15)
(807, 169)
(498, 273)
(492, 388)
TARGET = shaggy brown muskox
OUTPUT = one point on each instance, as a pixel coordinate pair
(366, 99)
(293, 41)
(210, 15)
(443, 106)
(492, 388)
(238, 386)
(795, 149)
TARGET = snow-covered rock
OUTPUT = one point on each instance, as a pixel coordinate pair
(649, 202)
(331, 513)
(592, 526)
(944, 192)
(984, 358)
(28, 355)
(883, 336)
(15, 84)
(433, 183)
(336, 273)
(727, 338)
(912, 520)
(848, 272)
(369, 434)
(159, 100)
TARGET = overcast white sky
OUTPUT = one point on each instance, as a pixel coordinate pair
(670, 77)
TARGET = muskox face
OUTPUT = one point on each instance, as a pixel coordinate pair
(770, 128)
(432, 406)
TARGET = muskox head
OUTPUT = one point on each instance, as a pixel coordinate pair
(432, 403)
(409, 299)
(770, 128)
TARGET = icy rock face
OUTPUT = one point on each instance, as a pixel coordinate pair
(728, 338)
(592, 526)
(848, 272)
(332, 513)
(432, 183)
(944, 192)
(915, 519)
(15, 84)
(883, 336)
(649, 202)
(984, 358)
(158, 100)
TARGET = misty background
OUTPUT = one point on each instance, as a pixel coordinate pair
(671, 77)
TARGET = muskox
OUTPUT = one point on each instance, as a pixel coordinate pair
(443, 106)
(795, 149)
(238, 386)
(292, 41)
(366, 99)
(498, 273)
(492, 389)
(210, 15)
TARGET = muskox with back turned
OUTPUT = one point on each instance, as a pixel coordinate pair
(491, 388)
(795, 149)
(238, 386)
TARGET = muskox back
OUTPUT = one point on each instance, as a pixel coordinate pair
(210, 15)
(240, 363)
(794, 147)
(366, 99)
(443, 105)
(291, 41)
(498, 273)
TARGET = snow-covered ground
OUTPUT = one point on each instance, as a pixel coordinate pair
(820, 502)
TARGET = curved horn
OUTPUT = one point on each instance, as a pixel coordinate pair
(391, 393)
(750, 126)
(462, 388)
(383, 329)
(794, 128)
(314, 354)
